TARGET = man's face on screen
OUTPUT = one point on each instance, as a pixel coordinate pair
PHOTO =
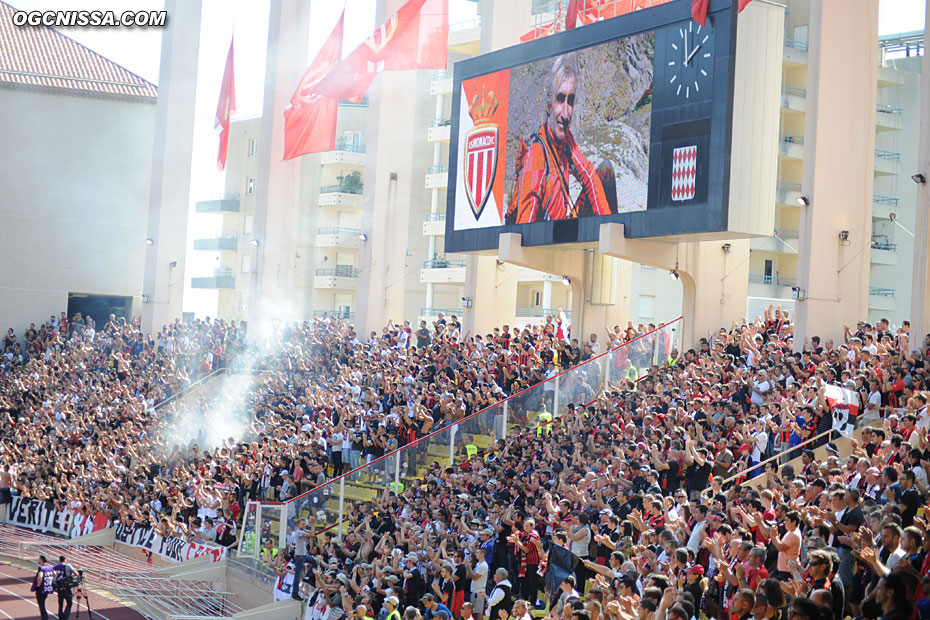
(561, 106)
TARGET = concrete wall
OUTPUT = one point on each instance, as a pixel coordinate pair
(73, 217)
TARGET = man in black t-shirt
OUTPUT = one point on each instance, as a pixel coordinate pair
(910, 498)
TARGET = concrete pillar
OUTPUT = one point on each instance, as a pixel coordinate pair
(714, 282)
(169, 193)
(547, 294)
(920, 309)
(839, 154)
(277, 185)
(496, 286)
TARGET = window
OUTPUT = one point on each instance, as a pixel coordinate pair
(246, 263)
(537, 299)
(253, 147)
(250, 185)
(247, 225)
(647, 306)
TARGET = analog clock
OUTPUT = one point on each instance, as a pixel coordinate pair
(690, 60)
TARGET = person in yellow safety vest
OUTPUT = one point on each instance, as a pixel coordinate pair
(629, 370)
(472, 450)
(391, 603)
(672, 358)
(543, 424)
(268, 552)
(397, 487)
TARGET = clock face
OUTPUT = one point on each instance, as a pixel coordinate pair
(690, 60)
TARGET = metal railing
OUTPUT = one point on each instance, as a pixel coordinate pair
(537, 313)
(880, 244)
(794, 91)
(440, 122)
(349, 146)
(776, 280)
(340, 271)
(435, 217)
(885, 200)
(326, 189)
(454, 442)
(881, 292)
(436, 311)
(443, 263)
(465, 25)
(788, 186)
(889, 109)
(801, 46)
(889, 155)
(334, 313)
(437, 169)
(787, 233)
(331, 230)
(789, 138)
(361, 104)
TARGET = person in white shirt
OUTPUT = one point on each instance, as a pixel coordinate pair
(479, 579)
(760, 442)
(760, 387)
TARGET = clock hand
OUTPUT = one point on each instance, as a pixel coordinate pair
(691, 55)
(686, 49)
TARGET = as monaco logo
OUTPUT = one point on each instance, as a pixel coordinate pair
(684, 172)
(480, 165)
(382, 35)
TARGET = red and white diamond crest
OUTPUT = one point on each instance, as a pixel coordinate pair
(684, 167)
(480, 165)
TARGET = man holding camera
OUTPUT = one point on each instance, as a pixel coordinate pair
(64, 585)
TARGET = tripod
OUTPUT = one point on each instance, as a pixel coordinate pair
(81, 593)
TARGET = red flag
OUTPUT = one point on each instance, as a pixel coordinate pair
(309, 119)
(225, 107)
(538, 33)
(742, 4)
(699, 11)
(414, 37)
(571, 14)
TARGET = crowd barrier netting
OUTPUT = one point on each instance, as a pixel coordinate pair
(330, 503)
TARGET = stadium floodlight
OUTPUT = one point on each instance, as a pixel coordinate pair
(566, 280)
(919, 178)
(673, 274)
(804, 201)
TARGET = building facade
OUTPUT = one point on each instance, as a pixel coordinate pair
(77, 158)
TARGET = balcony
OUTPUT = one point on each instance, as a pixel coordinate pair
(883, 206)
(340, 196)
(437, 177)
(441, 83)
(886, 162)
(793, 99)
(439, 130)
(465, 37)
(217, 244)
(342, 277)
(434, 225)
(888, 117)
(338, 237)
(775, 286)
(345, 154)
(787, 193)
(795, 53)
(882, 298)
(443, 271)
(791, 146)
(883, 252)
(229, 203)
(221, 279)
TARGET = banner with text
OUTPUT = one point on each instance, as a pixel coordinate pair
(41, 516)
(170, 548)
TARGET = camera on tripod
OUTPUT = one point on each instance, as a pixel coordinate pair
(74, 579)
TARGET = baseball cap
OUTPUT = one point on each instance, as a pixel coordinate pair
(697, 569)
(426, 598)
(392, 600)
(745, 448)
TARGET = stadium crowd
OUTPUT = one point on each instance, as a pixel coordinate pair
(628, 504)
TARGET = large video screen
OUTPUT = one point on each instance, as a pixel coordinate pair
(554, 137)
(558, 138)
